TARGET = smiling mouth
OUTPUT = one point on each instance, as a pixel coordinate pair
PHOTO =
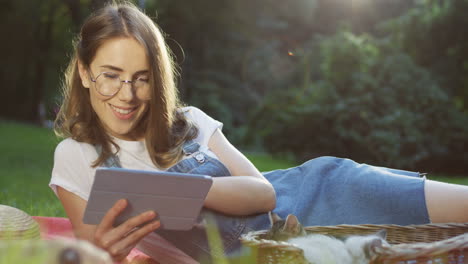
(123, 111)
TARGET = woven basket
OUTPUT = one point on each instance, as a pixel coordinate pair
(16, 224)
(430, 243)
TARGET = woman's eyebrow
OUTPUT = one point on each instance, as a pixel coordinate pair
(110, 67)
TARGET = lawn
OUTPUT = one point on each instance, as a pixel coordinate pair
(26, 163)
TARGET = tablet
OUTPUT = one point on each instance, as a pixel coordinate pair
(177, 198)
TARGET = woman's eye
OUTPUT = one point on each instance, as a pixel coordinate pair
(143, 79)
(110, 75)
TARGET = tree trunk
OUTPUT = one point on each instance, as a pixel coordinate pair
(44, 47)
(74, 8)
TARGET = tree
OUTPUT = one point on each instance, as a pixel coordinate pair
(433, 33)
(369, 101)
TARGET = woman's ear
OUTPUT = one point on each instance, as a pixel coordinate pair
(84, 76)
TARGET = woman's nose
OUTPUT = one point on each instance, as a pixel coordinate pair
(126, 93)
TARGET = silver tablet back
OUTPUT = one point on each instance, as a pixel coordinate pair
(177, 198)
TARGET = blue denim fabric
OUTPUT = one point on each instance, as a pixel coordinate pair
(194, 242)
(332, 191)
(322, 191)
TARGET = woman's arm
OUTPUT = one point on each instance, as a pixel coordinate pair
(74, 208)
(118, 241)
(248, 193)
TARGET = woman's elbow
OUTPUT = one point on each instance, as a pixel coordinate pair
(270, 198)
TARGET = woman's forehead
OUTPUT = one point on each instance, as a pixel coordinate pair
(126, 54)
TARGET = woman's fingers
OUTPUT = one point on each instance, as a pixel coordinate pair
(134, 222)
(102, 238)
(107, 238)
(120, 240)
(108, 220)
(122, 248)
(138, 234)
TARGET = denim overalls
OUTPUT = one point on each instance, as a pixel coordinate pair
(322, 191)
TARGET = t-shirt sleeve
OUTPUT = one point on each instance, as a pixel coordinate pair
(72, 168)
(206, 124)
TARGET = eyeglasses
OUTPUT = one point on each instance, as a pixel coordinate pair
(110, 83)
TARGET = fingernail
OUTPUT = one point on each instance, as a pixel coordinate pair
(151, 214)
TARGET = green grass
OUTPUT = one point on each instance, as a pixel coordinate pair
(265, 162)
(26, 162)
(450, 179)
(25, 166)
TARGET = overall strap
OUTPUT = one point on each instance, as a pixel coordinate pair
(190, 147)
(112, 162)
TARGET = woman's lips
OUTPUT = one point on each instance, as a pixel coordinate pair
(123, 113)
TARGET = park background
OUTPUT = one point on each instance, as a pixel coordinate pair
(383, 82)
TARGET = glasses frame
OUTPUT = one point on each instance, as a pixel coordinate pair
(122, 82)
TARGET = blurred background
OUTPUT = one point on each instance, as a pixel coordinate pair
(383, 82)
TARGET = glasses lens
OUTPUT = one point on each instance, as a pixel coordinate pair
(141, 82)
(142, 88)
(108, 83)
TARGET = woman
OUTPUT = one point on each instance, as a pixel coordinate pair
(121, 109)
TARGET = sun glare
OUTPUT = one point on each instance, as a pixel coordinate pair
(357, 4)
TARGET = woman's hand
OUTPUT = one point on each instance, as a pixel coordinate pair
(120, 240)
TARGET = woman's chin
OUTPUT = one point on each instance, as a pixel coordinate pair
(122, 134)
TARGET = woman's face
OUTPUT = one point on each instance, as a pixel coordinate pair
(123, 58)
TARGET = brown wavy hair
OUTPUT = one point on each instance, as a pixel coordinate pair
(164, 126)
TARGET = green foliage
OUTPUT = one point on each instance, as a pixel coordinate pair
(15, 252)
(369, 102)
(433, 33)
(215, 242)
(224, 98)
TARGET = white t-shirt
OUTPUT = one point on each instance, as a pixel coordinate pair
(72, 160)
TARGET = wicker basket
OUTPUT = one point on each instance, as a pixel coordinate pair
(431, 243)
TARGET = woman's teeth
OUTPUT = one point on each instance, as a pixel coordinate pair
(123, 111)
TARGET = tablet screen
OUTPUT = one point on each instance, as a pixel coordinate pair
(177, 198)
